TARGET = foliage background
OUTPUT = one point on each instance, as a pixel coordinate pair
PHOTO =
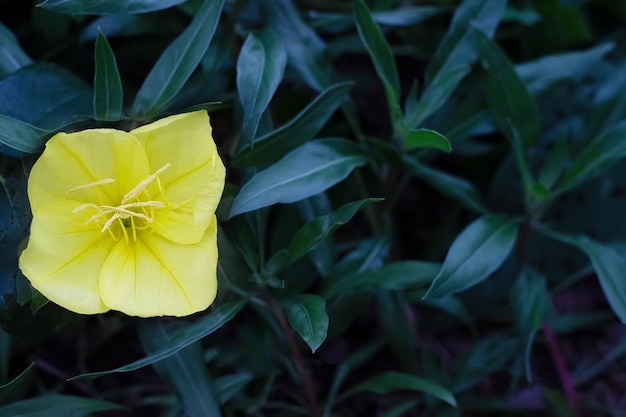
(423, 215)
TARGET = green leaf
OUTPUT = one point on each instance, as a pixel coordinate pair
(260, 69)
(185, 371)
(12, 57)
(394, 276)
(458, 189)
(46, 96)
(387, 382)
(478, 251)
(426, 138)
(299, 130)
(307, 315)
(108, 96)
(381, 56)
(228, 386)
(57, 405)
(21, 136)
(13, 390)
(512, 107)
(455, 54)
(179, 60)
(608, 264)
(107, 7)
(314, 232)
(398, 326)
(304, 172)
(531, 304)
(181, 338)
(600, 155)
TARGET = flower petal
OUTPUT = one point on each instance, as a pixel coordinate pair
(75, 159)
(156, 277)
(194, 181)
(64, 257)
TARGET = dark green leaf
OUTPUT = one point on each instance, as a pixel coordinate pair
(299, 130)
(426, 138)
(181, 338)
(56, 405)
(179, 60)
(304, 172)
(12, 57)
(185, 370)
(13, 390)
(392, 381)
(108, 6)
(108, 95)
(314, 232)
(398, 326)
(478, 251)
(260, 69)
(307, 315)
(228, 386)
(394, 276)
(21, 136)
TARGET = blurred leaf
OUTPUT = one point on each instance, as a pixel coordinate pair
(400, 17)
(117, 25)
(260, 69)
(555, 163)
(426, 138)
(185, 371)
(181, 338)
(228, 386)
(456, 188)
(304, 172)
(5, 354)
(12, 57)
(21, 136)
(617, 352)
(45, 96)
(387, 382)
(179, 60)
(511, 105)
(531, 304)
(57, 406)
(299, 130)
(455, 54)
(394, 276)
(557, 403)
(314, 232)
(452, 306)
(107, 7)
(382, 57)
(608, 264)
(478, 251)
(108, 96)
(542, 74)
(399, 329)
(609, 105)
(601, 154)
(307, 315)
(13, 390)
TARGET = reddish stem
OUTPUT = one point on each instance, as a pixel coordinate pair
(561, 369)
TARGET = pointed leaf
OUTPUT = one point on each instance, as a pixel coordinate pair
(108, 95)
(12, 57)
(21, 136)
(260, 69)
(107, 7)
(56, 405)
(426, 138)
(478, 251)
(304, 172)
(179, 60)
(181, 338)
(307, 315)
(299, 130)
(12, 390)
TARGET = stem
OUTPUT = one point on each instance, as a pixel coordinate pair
(296, 356)
(561, 369)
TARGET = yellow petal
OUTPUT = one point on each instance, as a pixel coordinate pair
(194, 180)
(64, 257)
(156, 277)
(76, 159)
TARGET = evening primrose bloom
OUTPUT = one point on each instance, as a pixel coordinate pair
(126, 220)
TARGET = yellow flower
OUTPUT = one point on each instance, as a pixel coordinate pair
(126, 221)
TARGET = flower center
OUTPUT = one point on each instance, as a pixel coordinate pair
(135, 211)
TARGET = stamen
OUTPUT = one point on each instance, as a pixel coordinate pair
(143, 184)
(91, 184)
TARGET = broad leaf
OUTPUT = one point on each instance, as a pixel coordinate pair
(21, 136)
(478, 251)
(56, 405)
(304, 172)
(307, 315)
(14, 389)
(181, 338)
(108, 6)
(108, 95)
(426, 138)
(12, 57)
(179, 60)
(299, 130)
(260, 69)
